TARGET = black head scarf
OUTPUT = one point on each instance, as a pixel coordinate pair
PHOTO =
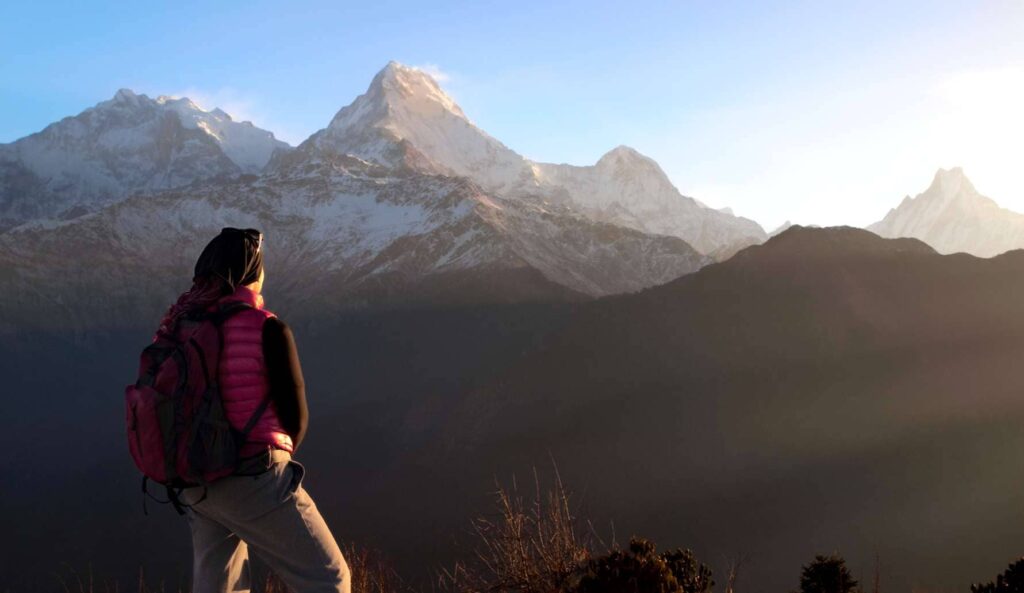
(235, 256)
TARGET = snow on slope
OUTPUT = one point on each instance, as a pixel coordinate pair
(127, 144)
(399, 199)
(625, 187)
(246, 145)
(405, 120)
(335, 239)
(951, 216)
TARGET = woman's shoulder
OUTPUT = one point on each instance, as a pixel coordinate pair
(274, 323)
(278, 339)
(276, 327)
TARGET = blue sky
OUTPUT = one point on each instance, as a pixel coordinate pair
(817, 112)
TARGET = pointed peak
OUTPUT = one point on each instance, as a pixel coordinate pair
(397, 89)
(395, 75)
(397, 83)
(395, 67)
(398, 70)
(951, 181)
(951, 173)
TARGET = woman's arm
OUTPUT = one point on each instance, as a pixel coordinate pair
(284, 373)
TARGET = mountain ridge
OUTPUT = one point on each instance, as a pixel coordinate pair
(358, 237)
(405, 120)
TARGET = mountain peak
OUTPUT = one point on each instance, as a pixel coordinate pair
(405, 121)
(182, 105)
(397, 92)
(129, 142)
(623, 152)
(395, 68)
(396, 72)
(624, 155)
(127, 96)
(626, 160)
(949, 182)
(952, 216)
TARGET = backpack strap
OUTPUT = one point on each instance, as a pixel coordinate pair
(173, 497)
(256, 415)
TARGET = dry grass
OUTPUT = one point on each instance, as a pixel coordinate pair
(533, 545)
(75, 582)
(371, 572)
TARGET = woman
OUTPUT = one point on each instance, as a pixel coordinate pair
(263, 505)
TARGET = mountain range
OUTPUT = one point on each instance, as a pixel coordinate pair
(406, 120)
(128, 144)
(399, 199)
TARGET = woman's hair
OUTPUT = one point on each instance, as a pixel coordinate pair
(233, 258)
(205, 292)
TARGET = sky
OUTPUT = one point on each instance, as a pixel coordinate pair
(814, 112)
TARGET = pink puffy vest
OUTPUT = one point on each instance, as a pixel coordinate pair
(243, 375)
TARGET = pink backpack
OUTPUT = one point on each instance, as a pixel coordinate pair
(178, 432)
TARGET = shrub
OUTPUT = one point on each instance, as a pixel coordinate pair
(640, 569)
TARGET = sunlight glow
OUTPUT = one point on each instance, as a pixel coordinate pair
(979, 118)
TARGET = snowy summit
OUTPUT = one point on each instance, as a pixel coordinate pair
(953, 217)
(405, 119)
(126, 144)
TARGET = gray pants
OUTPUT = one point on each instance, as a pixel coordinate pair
(271, 513)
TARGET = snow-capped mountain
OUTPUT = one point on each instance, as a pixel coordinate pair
(627, 188)
(337, 238)
(952, 217)
(405, 119)
(127, 144)
(399, 200)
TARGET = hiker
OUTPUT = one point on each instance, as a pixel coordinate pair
(262, 505)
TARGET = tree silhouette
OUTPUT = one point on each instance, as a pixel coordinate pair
(640, 569)
(1011, 581)
(827, 574)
